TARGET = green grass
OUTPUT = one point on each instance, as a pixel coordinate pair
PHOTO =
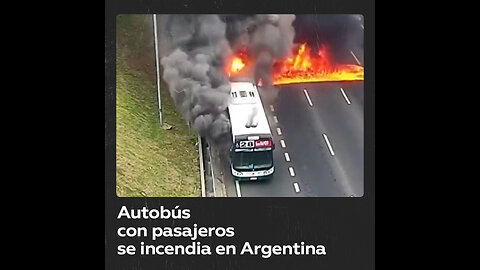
(151, 161)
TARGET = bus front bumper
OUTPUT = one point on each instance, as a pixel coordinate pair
(252, 175)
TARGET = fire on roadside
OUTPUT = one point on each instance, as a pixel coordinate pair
(303, 67)
(306, 66)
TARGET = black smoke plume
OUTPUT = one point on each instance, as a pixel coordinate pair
(340, 32)
(195, 49)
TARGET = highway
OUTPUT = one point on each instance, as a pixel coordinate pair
(318, 132)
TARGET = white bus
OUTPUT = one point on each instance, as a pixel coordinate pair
(251, 154)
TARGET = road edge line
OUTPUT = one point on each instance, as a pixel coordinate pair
(237, 188)
(202, 166)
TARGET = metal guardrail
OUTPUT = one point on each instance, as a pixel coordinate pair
(212, 185)
(202, 166)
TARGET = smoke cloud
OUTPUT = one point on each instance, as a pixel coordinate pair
(339, 31)
(266, 37)
(194, 49)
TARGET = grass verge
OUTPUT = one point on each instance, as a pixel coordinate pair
(151, 161)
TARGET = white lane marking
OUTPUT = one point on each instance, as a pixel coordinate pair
(356, 59)
(308, 97)
(328, 144)
(292, 172)
(297, 187)
(282, 142)
(362, 26)
(237, 187)
(279, 132)
(275, 119)
(271, 108)
(345, 96)
(287, 157)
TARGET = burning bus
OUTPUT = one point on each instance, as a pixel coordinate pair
(251, 154)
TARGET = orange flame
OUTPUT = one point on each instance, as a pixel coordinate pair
(307, 67)
(237, 62)
(303, 67)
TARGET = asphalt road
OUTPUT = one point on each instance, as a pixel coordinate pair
(305, 130)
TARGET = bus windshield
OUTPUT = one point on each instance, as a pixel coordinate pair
(252, 160)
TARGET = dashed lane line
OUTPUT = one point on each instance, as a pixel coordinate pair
(345, 96)
(328, 144)
(356, 59)
(297, 187)
(292, 172)
(308, 97)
